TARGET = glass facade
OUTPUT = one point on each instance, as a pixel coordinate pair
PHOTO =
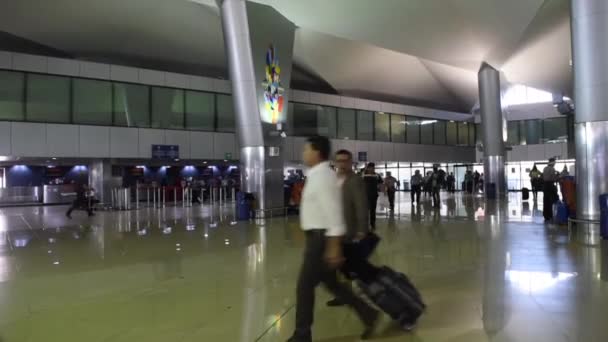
(12, 106)
(452, 133)
(555, 130)
(131, 105)
(200, 111)
(439, 133)
(308, 120)
(365, 125)
(92, 102)
(427, 131)
(463, 133)
(226, 121)
(513, 133)
(382, 126)
(346, 124)
(413, 130)
(167, 108)
(398, 128)
(55, 99)
(47, 98)
(531, 130)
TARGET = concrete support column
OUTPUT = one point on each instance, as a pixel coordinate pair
(492, 126)
(590, 56)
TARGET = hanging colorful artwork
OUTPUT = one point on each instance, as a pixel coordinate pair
(273, 91)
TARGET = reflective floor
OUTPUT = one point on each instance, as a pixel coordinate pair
(488, 272)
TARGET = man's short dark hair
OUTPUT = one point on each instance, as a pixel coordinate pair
(371, 164)
(320, 144)
(345, 153)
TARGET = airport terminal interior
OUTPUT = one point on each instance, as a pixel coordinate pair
(152, 169)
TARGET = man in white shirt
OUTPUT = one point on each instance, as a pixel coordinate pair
(322, 219)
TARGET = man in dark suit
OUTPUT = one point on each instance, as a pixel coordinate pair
(356, 214)
(372, 183)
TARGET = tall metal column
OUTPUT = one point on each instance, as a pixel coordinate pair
(100, 178)
(590, 53)
(259, 47)
(492, 126)
(242, 75)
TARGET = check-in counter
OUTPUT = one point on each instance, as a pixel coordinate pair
(57, 194)
(21, 194)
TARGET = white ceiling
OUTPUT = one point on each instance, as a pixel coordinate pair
(422, 52)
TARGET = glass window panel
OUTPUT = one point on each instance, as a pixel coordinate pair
(48, 98)
(472, 134)
(309, 120)
(289, 125)
(463, 133)
(11, 95)
(398, 128)
(131, 105)
(167, 108)
(346, 123)
(92, 102)
(533, 131)
(555, 130)
(513, 133)
(439, 133)
(478, 132)
(413, 130)
(426, 131)
(226, 120)
(383, 126)
(365, 125)
(452, 133)
(200, 111)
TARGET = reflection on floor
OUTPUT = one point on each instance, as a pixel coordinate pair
(489, 272)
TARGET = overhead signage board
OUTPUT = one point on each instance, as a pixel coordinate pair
(165, 152)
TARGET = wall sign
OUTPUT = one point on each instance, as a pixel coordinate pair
(273, 90)
(165, 152)
(362, 156)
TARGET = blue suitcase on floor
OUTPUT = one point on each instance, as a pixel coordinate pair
(560, 210)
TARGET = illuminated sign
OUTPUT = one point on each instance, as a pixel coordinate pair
(273, 90)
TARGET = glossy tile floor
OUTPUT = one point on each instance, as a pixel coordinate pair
(488, 272)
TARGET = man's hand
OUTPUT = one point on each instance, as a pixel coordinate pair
(333, 252)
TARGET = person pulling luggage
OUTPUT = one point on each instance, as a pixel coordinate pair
(354, 207)
(322, 220)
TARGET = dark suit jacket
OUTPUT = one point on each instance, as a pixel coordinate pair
(356, 214)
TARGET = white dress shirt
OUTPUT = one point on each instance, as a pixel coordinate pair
(321, 206)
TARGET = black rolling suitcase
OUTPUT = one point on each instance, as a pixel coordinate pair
(525, 194)
(395, 294)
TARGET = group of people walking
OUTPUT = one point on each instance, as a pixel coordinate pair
(337, 211)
